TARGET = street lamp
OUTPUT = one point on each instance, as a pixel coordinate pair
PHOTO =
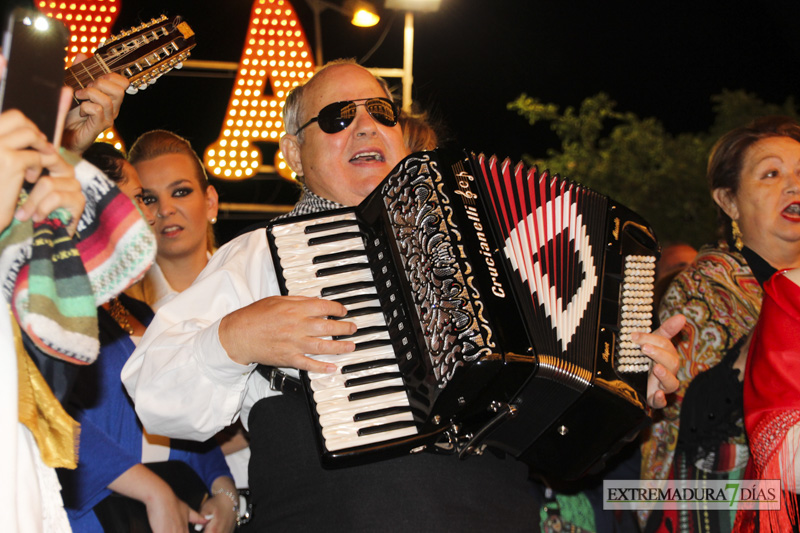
(364, 15)
(414, 5)
(357, 9)
(361, 13)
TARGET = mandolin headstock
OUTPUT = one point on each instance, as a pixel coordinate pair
(142, 54)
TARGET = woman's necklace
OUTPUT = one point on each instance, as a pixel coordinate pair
(120, 315)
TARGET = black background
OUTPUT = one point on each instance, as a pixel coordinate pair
(660, 59)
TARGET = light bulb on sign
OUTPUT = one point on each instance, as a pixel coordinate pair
(270, 17)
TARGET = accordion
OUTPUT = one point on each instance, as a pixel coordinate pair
(494, 306)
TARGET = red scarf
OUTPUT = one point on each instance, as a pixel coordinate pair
(772, 399)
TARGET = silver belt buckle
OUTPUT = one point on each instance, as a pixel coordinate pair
(276, 379)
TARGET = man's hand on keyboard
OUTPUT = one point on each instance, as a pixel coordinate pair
(281, 330)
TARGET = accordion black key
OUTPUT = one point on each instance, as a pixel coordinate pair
(494, 306)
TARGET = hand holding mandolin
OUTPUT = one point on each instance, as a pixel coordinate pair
(125, 63)
(99, 106)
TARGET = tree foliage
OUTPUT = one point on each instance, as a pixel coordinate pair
(638, 163)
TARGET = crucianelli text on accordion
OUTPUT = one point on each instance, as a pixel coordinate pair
(494, 306)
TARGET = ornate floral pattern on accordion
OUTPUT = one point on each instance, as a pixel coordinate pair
(494, 306)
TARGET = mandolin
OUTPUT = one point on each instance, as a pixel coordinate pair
(142, 54)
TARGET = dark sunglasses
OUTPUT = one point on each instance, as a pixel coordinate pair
(335, 117)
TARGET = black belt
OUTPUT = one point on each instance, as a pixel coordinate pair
(281, 381)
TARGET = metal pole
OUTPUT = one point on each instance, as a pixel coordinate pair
(317, 9)
(408, 60)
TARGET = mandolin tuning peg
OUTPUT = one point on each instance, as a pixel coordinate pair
(131, 89)
(179, 65)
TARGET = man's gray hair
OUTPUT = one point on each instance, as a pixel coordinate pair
(293, 107)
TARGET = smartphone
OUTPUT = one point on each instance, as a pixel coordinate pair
(34, 46)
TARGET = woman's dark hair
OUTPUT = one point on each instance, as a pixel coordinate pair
(727, 156)
(108, 159)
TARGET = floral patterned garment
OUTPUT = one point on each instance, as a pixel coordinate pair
(721, 300)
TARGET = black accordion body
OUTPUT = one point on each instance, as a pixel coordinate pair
(494, 307)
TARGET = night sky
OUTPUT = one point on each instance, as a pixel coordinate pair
(661, 59)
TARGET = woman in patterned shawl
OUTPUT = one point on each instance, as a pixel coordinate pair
(753, 175)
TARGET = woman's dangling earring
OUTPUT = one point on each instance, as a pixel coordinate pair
(737, 235)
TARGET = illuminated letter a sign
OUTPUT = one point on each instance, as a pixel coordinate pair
(275, 51)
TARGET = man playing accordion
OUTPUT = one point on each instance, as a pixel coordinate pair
(193, 373)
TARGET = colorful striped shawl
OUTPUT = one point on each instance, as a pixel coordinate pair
(55, 282)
